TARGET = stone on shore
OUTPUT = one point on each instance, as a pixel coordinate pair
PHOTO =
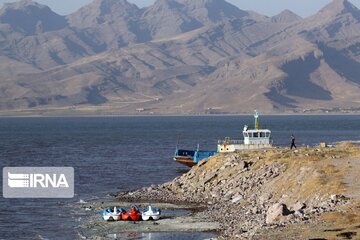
(298, 206)
(276, 213)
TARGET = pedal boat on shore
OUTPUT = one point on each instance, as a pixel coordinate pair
(133, 215)
(112, 214)
(150, 213)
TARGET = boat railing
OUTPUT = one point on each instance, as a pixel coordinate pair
(230, 142)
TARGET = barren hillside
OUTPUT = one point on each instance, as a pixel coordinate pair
(177, 57)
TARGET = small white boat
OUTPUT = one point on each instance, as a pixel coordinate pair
(150, 213)
(112, 214)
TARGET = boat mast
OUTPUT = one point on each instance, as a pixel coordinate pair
(256, 116)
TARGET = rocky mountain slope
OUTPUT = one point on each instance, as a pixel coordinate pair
(177, 57)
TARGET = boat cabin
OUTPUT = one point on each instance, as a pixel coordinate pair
(256, 136)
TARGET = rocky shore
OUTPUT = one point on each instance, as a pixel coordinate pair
(176, 219)
(308, 193)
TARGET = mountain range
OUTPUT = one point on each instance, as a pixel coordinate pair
(177, 57)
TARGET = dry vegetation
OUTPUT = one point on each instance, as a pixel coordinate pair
(312, 174)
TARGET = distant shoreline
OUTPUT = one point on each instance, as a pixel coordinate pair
(174, 115)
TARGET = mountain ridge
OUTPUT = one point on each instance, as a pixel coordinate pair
(29, 17)
(177, 57)
(286, 16)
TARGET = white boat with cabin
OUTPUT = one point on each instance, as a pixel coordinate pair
(253, 139)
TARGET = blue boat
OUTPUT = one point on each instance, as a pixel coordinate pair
(192, 157)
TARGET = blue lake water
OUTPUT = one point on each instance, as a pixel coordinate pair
(112, 154)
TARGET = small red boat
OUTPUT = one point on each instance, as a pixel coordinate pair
(134, 215)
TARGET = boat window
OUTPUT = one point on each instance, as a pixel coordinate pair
(267, 134)
(256, 134)
(251, 135)
(262, 134)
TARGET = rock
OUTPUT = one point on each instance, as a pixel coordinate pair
(298, 206)
(242, 165)
(299, 213)
(202, 163)
(228, 195)
(229, 159)
(287, 218)
(255, 210)
(334, 197)
(209, 178)
(245, 165)
(214, 195)
(265, 198)
(237, 198)
(191, 175)
(338, 198)
(276, 213)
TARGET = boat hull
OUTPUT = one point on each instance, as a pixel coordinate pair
(229, 148)
(147, 217)
(113, 217)
(192, 157)
(185, 161)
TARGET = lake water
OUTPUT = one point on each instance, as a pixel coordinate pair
(112, 154)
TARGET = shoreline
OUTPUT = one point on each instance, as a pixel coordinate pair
(238, 191)
(173, 115)
(176, 218)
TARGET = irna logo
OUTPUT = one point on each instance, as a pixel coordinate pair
(38, 182)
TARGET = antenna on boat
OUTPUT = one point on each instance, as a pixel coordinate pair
(256, 116)
(178, 140)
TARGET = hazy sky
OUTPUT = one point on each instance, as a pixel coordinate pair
(267, 7)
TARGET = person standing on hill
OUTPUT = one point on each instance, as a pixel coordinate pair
(292, 141)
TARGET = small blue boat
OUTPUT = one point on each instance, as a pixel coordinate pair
(112, 214)
(192, 157)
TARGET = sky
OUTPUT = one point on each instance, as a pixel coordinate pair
(303, 8)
